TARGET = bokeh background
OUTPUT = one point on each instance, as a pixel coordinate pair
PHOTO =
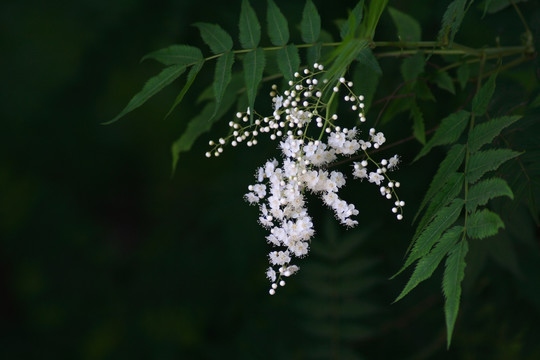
(104, 255)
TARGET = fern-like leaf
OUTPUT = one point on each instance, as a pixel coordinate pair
(444, 218)
(481, 99)
(278, 29)
(488, 160)
(152, 87)
(448, 192)
(310, 25)
(215, 37)
(222, 76)
(427, 265)
(448, 166)
(448, 132)
(189, 81)
(484, 133)
(250, 29)
(485, 190)
(453, 276)
(176, 55)
(484, 223)
(254, 63)
(288, 61)
(408, 29)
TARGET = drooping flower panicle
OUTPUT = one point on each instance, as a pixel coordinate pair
(307, 154)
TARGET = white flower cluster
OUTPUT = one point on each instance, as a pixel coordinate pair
(282, 185)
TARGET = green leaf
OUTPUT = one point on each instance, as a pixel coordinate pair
(204, 121)
(355, 18)
(448, 166)
(444, 218)
(365, 81)
(151, 88)
(413, 66)
(451, 21)
(484, 133)
(454, 273)
(253, 69)
(419, 131)
(278, 29)
(427, 265)
(444, 196)
(250, 29)
(408, 29)
(366, 57)
(344, 56)
(373, 14)
(482, 224)
(448, 132)
(190, 78)
(488, 160)
(215, 37)
(310, 26)
(481, 99)
(288, 61)
(463, 75)
(176, 54)
(314, 54)
(486, 190)
(444, 81)
(222, 76)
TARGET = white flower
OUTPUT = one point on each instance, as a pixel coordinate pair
(271, 274)
(378, 138)
(393, 161)
(278, 102)
(375, 178)
(279, 257)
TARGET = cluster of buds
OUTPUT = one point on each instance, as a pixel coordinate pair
(310, 140)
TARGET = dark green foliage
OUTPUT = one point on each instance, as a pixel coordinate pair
(250, 29)
(278, 29)
(408, 29)
(311, 23)
(482, 98)
(254, 62)
(176, 55)
(288, 61)
(215, 37)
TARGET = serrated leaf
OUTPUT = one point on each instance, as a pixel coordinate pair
(408, 29)
(176, 54)
(444, 81)
(463, 75)
(314, 53)
(422, 91)
(427, 265)
(419, 131)
(484, 133)
(448, 132)
(310, 26)
(151, 88)
(373, 14)
(481, 99)
(449, 165)
(454, 273)
(253, 69)
(366, 57)
(189, 81)
(278, 29)
(451, 21)
(288, 61)
(344, 55)
(222, 76)
(204, 121)
(488, 160)
(486, 190)
(250, 29)
(215, 37)
(413, 66)
(355, 18)
(444, 218)
(447, 193)
(365, 82)
(482, 224)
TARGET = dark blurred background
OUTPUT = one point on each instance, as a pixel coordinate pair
(104, 255)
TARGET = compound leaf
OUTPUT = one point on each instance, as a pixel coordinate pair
(215, 37)
(250, 29)
(278, 29)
